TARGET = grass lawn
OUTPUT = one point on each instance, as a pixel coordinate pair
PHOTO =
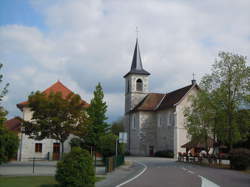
(31, 181)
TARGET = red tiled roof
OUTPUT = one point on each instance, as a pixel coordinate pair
(55, 88)
(157, 101)
(150, 102)
(13, 124)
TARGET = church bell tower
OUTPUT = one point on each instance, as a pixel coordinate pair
(136, 81)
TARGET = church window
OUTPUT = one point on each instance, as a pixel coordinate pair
(128, 87)
(139, 85)
(38, 147)
(133, 122)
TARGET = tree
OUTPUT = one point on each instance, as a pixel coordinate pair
(117, 127)
(96, 126)
(217, 106)
(54, 116)
(8, 140)
(199, 118)
(108, 145)
(230, 78)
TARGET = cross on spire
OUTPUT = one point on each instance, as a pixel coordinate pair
(193, 76)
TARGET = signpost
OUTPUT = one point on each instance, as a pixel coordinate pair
(122, 139)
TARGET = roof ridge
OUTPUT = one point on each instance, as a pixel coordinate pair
(60, 83)
(178, 89)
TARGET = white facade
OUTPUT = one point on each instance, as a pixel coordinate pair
(27, 147)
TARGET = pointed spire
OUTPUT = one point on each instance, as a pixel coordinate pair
(136, 67)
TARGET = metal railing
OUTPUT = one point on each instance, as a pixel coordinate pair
(113, 162)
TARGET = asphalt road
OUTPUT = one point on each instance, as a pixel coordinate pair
(161, 172)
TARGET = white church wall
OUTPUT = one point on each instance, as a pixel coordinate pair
(181, 136)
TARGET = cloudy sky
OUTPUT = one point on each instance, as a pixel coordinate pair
(83, 42)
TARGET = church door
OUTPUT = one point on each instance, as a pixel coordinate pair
(151, 150)
(56, 151)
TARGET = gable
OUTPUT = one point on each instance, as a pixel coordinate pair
(158, 101)
(55, 88)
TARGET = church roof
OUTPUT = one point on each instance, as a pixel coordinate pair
(136, 67)
(55, 88)
(157, 101)
(150, 102)
(173, 97)
(13, 124)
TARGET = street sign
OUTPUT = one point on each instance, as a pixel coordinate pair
(123, 138)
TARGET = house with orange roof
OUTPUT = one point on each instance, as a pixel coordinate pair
(46, 148)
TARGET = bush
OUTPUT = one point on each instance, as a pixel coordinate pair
(240, 158)
(76, 169)
(107, 144)
(8, 144)
(165, 153)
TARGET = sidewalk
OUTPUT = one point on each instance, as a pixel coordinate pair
(42, 168)
(121, 174)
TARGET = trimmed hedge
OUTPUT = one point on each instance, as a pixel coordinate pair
(76, 169)
(165, 153)
(240, 158)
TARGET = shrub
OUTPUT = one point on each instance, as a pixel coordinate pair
(8, 144)
(107, 144)
(240, 158)
(165, 153)
(76, 169)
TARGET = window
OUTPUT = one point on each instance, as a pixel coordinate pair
(139, 85)
(38, 147)
(128, 87)
(133, 122)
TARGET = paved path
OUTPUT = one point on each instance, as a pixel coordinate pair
(163, 172)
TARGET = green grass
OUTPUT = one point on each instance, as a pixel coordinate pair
(32, 181)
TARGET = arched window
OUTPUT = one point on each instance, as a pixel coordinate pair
(139, 85)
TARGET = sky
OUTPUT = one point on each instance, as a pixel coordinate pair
(83, 42)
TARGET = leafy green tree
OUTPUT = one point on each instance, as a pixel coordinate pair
(199, 118)
(54, 116)
(117, 127)
(217, 106)
(230, 78)
(108, 144)
(97, 125)
(8, 140)
(8, 144)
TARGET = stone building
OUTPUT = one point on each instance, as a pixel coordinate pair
(154, 121)
(46, 148)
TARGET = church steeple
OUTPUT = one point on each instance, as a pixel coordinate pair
(136, 67)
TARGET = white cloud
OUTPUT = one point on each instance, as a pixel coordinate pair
(92, 41)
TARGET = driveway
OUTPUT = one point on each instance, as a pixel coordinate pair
(161, 172)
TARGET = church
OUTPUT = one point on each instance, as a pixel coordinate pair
(154, 121)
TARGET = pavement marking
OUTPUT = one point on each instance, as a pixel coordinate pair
(133, 178)
(191, 172)
(207, 183)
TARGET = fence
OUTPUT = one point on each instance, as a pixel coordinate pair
(113, 162)
(207, 160)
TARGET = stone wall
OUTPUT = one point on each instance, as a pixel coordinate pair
(165, 130)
